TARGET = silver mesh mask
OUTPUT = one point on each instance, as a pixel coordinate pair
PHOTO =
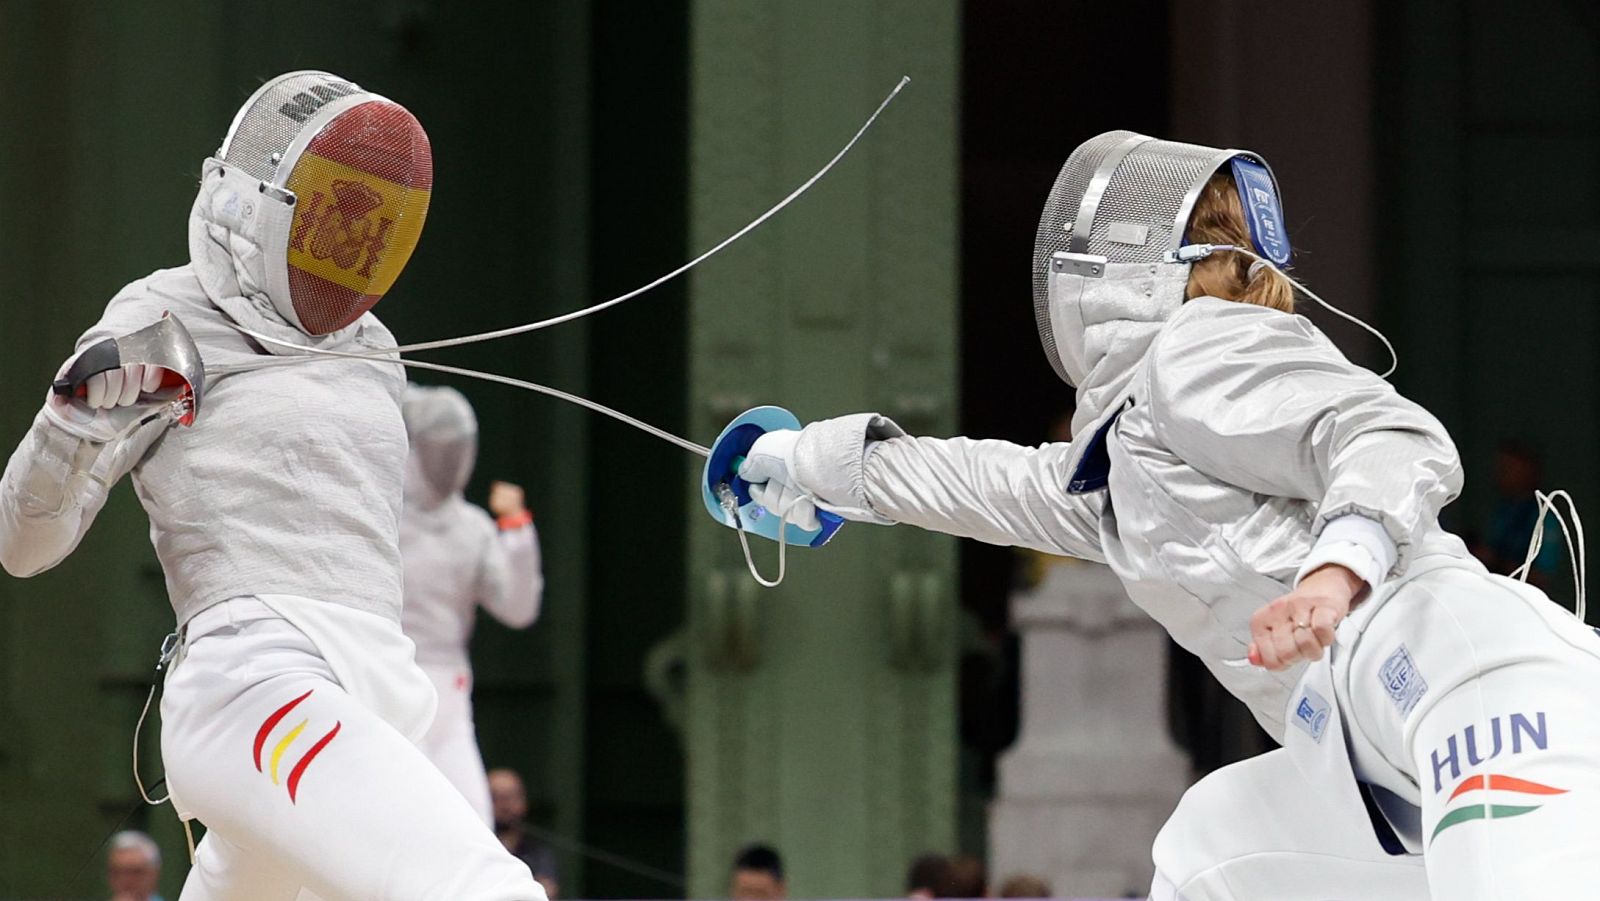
(344, 176)
(1121, 197)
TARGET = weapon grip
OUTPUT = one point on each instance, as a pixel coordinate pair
(102, 356)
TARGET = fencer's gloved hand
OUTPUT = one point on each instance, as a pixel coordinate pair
(769, 468)
(121, 387)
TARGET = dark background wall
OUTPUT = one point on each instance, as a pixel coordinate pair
(1488, 139)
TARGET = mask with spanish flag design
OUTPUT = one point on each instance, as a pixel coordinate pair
(345, 176)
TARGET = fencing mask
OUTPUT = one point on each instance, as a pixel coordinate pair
(443, 433)
(1118, 211)
(343, 178)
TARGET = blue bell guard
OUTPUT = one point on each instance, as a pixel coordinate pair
(722, 475)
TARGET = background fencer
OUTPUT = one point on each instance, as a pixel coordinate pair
(1270, 504)
(293, 701)
(456, 558)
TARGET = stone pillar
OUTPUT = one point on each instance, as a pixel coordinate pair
(820, 716)
(1094, 773)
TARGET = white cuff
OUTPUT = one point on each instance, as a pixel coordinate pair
(1357, 543)
(829, 459)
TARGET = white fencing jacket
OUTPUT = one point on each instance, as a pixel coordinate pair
(456, 557)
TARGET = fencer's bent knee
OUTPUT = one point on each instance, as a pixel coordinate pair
(1187, 825)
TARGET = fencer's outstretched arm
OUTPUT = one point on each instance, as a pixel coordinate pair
(511, 583)
(990, 490)
(1264, 401)
(993, 491)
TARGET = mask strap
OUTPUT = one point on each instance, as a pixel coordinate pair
(1193, 252)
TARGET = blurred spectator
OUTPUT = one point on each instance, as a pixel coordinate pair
(509, 799)
(133, 867)
(1518, 472)
(965, 877)
(1024, 885)
(927, 876)
(758, 875)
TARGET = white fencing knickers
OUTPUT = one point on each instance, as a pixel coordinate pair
(302, 786)
(1472, 699)
(451, 741)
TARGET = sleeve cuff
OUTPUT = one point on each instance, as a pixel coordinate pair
(515, 521)
(1357, 543)
(830, 460)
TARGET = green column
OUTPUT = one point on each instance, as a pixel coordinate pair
(821, 714)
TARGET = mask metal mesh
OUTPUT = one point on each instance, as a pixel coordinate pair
(362, 188)
(271, 119)
(1154, 187)
(1148, 189)
(1055, 227)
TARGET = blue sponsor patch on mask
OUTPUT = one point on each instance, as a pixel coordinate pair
(1402, 680)
(1264, 213)
(1311, 714)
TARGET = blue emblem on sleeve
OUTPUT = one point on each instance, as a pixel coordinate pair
(1311, 714)
(1402, 680)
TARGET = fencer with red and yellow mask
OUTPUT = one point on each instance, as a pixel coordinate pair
(293, 700)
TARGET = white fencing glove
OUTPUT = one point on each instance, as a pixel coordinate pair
(121, 387)
(769, 468)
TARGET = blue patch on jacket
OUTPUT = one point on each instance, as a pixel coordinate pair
(1093, 471)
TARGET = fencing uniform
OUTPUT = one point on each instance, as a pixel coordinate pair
(291, 709)
(1232, 462)
(457, 558)
(1221, 451)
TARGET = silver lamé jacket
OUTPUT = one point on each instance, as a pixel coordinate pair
(1218, 449)
(290, 480)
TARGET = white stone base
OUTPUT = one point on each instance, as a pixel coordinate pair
(1094, 773)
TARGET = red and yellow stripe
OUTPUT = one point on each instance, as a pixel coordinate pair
(275, 759)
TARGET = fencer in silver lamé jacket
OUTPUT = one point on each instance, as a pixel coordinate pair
(1214, 444)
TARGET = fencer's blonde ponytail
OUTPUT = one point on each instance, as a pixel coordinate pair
(1218, 218)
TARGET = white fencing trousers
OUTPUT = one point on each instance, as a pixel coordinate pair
(1502, 747)
(452, 741)
(1470, 697)
(302, 787)
(1258, 830)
